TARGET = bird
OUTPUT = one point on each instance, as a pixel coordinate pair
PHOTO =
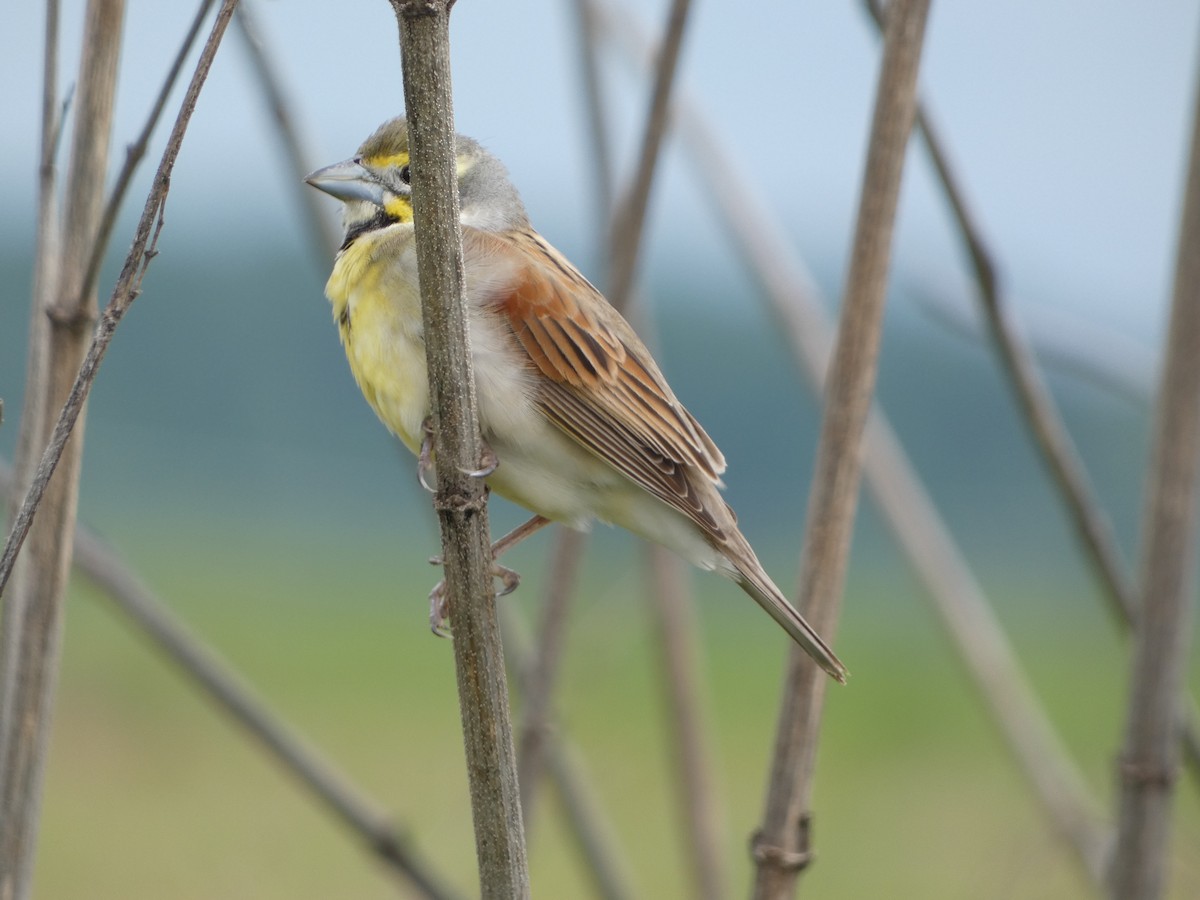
(578, 422)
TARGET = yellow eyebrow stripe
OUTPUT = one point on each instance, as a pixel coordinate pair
(391, 159)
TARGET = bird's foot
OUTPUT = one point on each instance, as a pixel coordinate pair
(439, 602)
(488, 462)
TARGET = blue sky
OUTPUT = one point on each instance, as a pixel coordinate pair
(1068, 121)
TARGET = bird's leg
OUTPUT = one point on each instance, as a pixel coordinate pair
(425, 457)
(439, 602)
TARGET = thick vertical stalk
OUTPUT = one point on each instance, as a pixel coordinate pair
(460, 500)
(1149, 762)
(33, 607)
(780, 847)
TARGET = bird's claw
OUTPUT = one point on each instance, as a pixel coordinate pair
(439, 605)
(439, 612)
(488, 463)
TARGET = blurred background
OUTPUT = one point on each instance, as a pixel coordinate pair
(232, 461)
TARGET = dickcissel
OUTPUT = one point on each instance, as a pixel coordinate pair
(579, 420)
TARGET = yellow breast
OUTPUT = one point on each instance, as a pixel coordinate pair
(377, 307)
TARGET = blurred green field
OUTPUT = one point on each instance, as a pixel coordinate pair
(151, 794)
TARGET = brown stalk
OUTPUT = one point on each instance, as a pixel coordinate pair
(629, 216)
(135, 152)
(690, 751)
(126, 291)
(781, 844)
(1047, 428)
(912, 518)
(675, 610)
(322, 233)
(460, 500)
(538, 680)
(1149, 760)
(796, 302)
(594, 835)
(32, 617)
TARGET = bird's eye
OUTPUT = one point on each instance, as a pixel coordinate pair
(405, 175)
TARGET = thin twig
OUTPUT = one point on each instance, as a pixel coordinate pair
(538, 687)
(461, 499)
(1149, 760)
(46, 266)
(322, 233)
(1067, 470)
(137, 150)
(835, 484)
(629, 216)
(32, 617)
(796, 302)
(45, 263)
(537, 684)
(690, 750)
(670, 595)
(596, 118)
(594, 834)
(126, 291)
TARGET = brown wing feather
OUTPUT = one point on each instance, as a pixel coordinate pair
(603, 388)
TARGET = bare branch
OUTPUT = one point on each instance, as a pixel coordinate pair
(137, 150)
(629, 216)
(1150, 758)
(539, 679)
(832, 503)
(1049, 431)
(32, 617)
(795, 301)
(321, 231)
(690, 750)
(461, 499)
(125, 292)
(593, 833)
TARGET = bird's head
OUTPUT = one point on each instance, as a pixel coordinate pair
(375, 185)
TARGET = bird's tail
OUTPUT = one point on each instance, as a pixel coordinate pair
(754, 580)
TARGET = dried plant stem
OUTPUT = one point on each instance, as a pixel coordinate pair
(629, 215)
(135, 152)
(1041, 414)
(670, 594)
(321, 231)
(593, 833)
(32, 617)
(781, 844)
(796, 302)
(537, 683)
(126, 291)
(1150, 758)
(690, 750)
(461, 500)
(910, 515)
